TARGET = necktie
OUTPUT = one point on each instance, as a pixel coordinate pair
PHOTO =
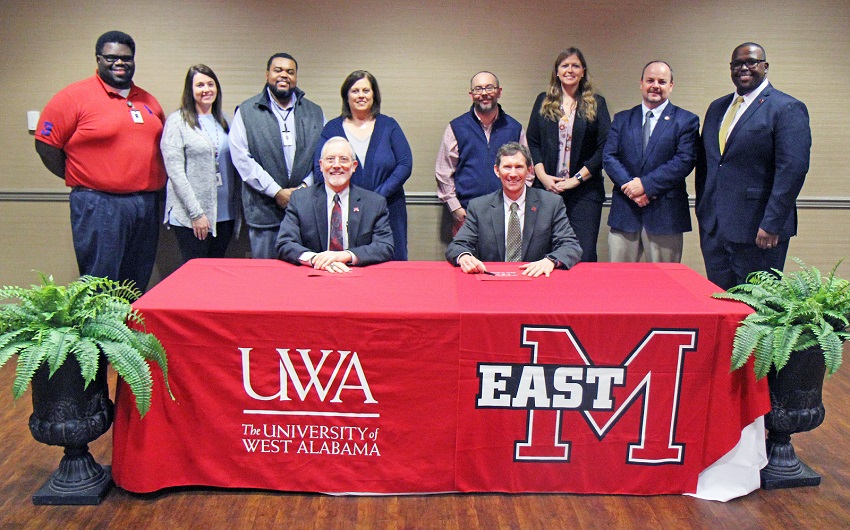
(647, 128)
(514, 241)
(335, 242)
(727, 122)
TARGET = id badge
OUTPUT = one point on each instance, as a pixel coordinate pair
(137, 116)
(287, 139)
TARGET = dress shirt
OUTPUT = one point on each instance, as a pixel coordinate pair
(656, 114)
(447, 159)
(748, 99)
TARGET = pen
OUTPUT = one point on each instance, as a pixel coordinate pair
(490, 273)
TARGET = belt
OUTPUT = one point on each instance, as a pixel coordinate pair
(131, 194)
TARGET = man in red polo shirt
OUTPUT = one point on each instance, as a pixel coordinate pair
(102, 136)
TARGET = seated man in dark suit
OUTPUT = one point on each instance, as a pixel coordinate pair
(359, 230)
(516, 223)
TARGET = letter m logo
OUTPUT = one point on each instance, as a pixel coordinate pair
(653, 380)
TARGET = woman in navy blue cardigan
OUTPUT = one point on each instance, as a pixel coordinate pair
(384, 160)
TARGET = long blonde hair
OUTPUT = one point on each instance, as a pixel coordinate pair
(585, 103)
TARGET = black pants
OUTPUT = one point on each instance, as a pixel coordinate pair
(728, 264)
(212, 247)
(585, 217)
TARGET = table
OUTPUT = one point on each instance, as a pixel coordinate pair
(412, 377)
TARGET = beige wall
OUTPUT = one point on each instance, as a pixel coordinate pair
(423, 54)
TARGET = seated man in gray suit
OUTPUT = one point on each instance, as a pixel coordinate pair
(516, 223)
(359, 230)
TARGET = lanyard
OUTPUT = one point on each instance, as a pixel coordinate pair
(280, 112)
(212, 137)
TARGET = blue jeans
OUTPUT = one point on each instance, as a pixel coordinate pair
(115, 235)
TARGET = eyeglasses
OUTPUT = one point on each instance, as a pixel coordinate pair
(751, 63)
(111, 59)
(489, 89)
(343, 160)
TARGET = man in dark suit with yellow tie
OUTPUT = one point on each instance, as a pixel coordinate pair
(515, 223)
(753, 160)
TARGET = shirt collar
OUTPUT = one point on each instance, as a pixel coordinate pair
(112, 91)
(748, 98)
(343, 195)
(520, 202)
(274, 101)
(657, 111)
(478, 118)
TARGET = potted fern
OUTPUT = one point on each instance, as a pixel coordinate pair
(63, 337)
(795, 336)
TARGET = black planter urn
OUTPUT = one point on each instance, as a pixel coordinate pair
(796, 406)
(68, 415)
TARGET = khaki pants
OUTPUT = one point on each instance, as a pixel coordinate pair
(629, 247)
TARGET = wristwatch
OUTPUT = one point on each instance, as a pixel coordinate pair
(578, 177)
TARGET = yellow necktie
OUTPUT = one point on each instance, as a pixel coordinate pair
(727, 121)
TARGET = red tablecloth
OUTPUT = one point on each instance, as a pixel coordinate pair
(413, 377)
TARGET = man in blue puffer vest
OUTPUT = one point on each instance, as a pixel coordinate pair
(465, 162)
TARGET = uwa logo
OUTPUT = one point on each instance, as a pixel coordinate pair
(345, 376)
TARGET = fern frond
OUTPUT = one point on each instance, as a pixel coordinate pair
(7, 351)
(10, 292)
(764, 355)
(745, 298)
(108, 329)
(831, 345)
(88, 356)
(133, 370)
(746, 338)
(835, 319)
(57, 345)
(134, 317)
(11, 336)
(152, 350)
(783, 342)
(30, 358)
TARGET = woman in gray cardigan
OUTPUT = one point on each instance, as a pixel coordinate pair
(202, 194)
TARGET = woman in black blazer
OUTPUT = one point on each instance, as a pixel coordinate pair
(566, 135)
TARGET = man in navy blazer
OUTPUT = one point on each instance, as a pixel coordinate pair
(753, 160)
(546, 239)
(649, 204)
(364, 236)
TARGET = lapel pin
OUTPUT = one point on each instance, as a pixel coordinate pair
(356, 209)
(666, 118)
(534, 208)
